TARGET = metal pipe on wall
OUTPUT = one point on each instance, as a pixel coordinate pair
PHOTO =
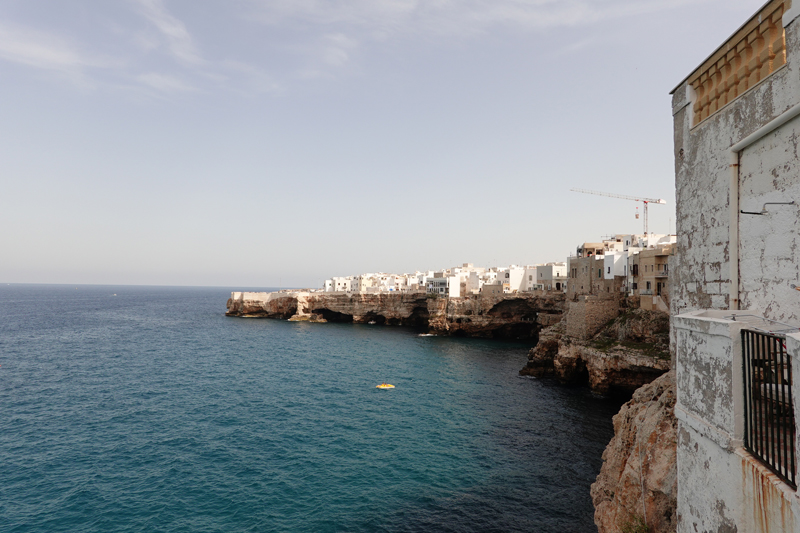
(735, 151)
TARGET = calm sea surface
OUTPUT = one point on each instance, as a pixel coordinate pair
(146, 409)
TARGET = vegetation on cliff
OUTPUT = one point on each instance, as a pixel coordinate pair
(630, 351)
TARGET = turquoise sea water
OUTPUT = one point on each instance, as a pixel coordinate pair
(152, 411)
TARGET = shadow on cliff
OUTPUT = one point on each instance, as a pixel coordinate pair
(629, 352)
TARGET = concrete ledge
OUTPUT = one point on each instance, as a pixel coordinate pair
(721, 438)
(791, 14)
(717, 323)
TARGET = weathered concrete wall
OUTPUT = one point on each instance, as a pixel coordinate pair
(722, 488)
(769, 244)
(746, 86)
(701, 277)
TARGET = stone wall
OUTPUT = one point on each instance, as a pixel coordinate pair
(589, 314)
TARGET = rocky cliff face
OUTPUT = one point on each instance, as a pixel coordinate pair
(262, 304)
(629, 352)
(637, 484)
(508, 317)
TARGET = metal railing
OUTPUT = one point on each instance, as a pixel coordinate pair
(768, 408)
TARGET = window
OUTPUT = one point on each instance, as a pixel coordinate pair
(769, 414)
(648, 285)
(599, 272)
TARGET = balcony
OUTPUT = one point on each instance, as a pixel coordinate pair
(769, 424)
(734, 374)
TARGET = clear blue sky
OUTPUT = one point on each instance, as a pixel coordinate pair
(258, 142)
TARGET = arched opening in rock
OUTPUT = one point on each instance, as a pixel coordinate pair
(519, 309)
(370, 318)
(520, 331)
(333, 316)
(418, 318)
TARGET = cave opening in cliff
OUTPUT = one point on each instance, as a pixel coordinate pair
(418, 318)
(519, 331)
(374, 318)
(333, 316)
(521, 310)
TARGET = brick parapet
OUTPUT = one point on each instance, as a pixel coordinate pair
(754, 52)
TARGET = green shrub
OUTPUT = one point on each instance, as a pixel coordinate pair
(635, 525)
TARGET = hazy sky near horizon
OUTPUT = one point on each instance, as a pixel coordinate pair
(280, 142)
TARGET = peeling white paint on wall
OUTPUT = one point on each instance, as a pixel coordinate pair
(769, 171)
(721, 488)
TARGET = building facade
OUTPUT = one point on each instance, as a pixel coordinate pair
(737, 167)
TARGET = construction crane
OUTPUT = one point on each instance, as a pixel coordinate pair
(645, 201)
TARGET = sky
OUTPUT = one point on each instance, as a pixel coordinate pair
(282, 142)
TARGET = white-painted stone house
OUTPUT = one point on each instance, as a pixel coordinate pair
(737, 127)
(552, 276)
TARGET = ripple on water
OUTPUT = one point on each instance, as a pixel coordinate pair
(151, 411)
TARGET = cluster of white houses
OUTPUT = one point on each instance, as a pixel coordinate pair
(459, 281)
(630, 264)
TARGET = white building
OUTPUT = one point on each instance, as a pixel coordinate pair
(530, 279)
(449, 286)
(552, 276)
(512, 278)
(614, 264)
(732, 279)
(338, 284)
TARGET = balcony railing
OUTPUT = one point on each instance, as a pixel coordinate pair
(769, 411)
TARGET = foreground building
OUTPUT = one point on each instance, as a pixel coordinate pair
(732, 296)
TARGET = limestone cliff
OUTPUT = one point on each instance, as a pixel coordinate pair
(637, 484)
(262, 304)
(630, 351)
(498, 316)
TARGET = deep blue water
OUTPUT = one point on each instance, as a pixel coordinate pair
(152, 411)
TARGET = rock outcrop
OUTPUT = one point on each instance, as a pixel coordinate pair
(262, 305)
(637, 485)
(505, 317)
(631, 351)
(500, 316)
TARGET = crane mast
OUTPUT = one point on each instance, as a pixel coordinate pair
(645, 201)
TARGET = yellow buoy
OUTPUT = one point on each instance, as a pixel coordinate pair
(384, 386)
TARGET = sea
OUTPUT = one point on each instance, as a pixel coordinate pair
(146, 409)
